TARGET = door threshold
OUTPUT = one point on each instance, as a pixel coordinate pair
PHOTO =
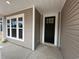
(49, 44)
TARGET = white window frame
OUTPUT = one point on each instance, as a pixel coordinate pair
(11, 17)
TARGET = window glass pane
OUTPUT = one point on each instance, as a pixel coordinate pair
(8, 32)
(13, 23)
(20, 25)
(0, 26)
(20, 22)
(20, 19)
(14, 33)
(8, 23)
(20, 33)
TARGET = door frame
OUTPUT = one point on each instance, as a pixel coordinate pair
(56, 31)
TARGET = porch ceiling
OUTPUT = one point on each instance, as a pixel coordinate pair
(43, 6)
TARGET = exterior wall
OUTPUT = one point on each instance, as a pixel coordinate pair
(1, 35)
(0, 55)
(70, 29)
(37, 28)
(4, 28)
(28, 22)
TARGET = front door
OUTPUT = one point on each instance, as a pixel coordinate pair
(49, 29)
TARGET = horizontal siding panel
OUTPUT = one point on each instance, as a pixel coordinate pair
(70, 29)
(67, 5)
(74, 4)
(75, 7)
(72, 15)
(73, 19)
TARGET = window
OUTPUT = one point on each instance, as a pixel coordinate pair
(8, 27)
(0, 26)
(15, 27)
(8, 32)
(20, 27)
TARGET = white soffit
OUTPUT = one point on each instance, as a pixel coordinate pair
(43, 6)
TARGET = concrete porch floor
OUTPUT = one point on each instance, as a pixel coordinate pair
(12, 51)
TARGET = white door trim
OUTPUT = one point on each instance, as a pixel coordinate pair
(56, 31)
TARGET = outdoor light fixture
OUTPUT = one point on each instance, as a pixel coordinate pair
(8, 2)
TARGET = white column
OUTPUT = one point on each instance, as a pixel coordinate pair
(0, 55)
(1, 52)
